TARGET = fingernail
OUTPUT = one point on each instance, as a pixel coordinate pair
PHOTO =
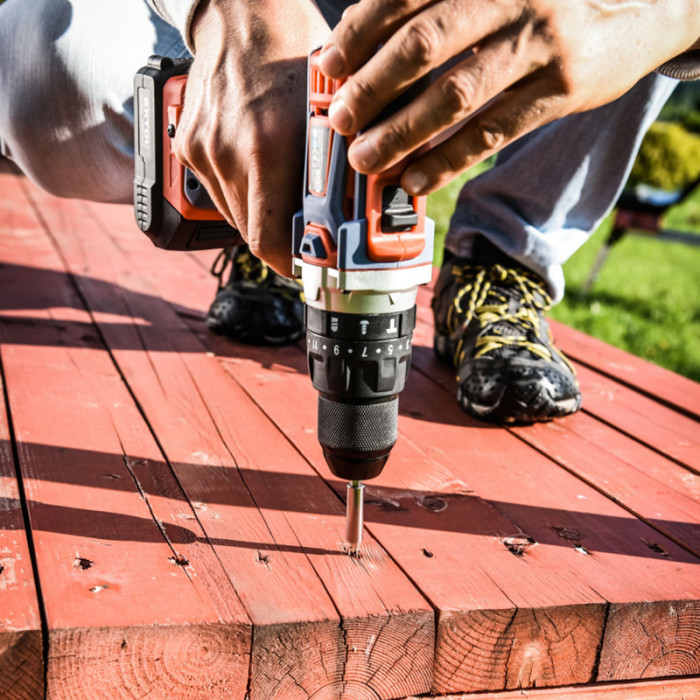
(340, 117)
(331, 62)
(364, 154)
(414, 182)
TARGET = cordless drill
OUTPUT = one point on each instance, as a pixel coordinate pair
(361, 246)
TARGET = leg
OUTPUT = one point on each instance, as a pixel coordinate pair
(512, 229)
(66, 85)
(550, 190)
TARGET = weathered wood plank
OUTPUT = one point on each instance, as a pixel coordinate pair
(658, 382)
(21, 653)
(322, 620)
(644, 579)
(655, 488)
(659, 491)
(475, 603)
(135, 599)
(630, 588)
(614, 518)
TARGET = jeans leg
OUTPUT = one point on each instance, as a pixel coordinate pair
(66, 90)
(550, 189)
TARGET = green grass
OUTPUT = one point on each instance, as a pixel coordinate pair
(647, 297)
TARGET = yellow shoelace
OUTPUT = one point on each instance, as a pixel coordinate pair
(471, 302)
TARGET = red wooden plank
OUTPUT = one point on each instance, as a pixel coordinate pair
(628, 588)
(135, 599)
(644, 418)
(21, 655)
(481, 611)
(322, 619)
(655, 489)
(650, 422)
(677, 689)
(644, 481)
(625, 367)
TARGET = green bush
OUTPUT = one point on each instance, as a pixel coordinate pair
(668, 159)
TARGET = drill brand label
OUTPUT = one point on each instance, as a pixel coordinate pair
(143, 99)
(319, 149)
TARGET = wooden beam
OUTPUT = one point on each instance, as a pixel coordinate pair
(21, 652)
(487, 599)
(135, 598)
(657, 382)
(613, 538)
(321, 619)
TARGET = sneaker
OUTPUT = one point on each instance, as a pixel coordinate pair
(256, 306)
(489, 320)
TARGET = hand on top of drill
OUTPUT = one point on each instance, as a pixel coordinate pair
(242, 128)
(533, 61)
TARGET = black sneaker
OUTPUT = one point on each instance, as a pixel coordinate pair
(489, 321)
(256, 306)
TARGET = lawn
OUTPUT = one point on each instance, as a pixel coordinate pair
(647, 297)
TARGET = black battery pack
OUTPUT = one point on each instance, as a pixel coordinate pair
(171, 205)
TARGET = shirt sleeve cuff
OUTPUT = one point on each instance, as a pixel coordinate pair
(179, 14)
(683, 67)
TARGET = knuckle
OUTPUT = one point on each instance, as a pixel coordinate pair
(399, 7)
(449, 160)
(459, 92)
(394, 138)
(363, 92)
(489, 135)
(423, 40)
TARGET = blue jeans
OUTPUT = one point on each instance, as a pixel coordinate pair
(66, 118)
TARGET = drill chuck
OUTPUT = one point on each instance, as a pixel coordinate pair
(358, 363)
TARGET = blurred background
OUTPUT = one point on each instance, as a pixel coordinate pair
(639, 290)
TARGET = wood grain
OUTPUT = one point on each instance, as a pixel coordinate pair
(276, 527)
(480, 602)
(112, 557)
(21, 653)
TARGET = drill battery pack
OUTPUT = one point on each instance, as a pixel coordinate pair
(171, 205)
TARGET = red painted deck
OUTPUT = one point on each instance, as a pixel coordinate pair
(175, 533)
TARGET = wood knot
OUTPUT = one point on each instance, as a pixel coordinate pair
(656, 548)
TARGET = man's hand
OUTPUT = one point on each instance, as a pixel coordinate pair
(531, 61)
(242, 127)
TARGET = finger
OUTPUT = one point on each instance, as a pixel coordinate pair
(191, 154)
(456, 95)
(272, 205)
(425, 42)
(511, 116)
(362, 28)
